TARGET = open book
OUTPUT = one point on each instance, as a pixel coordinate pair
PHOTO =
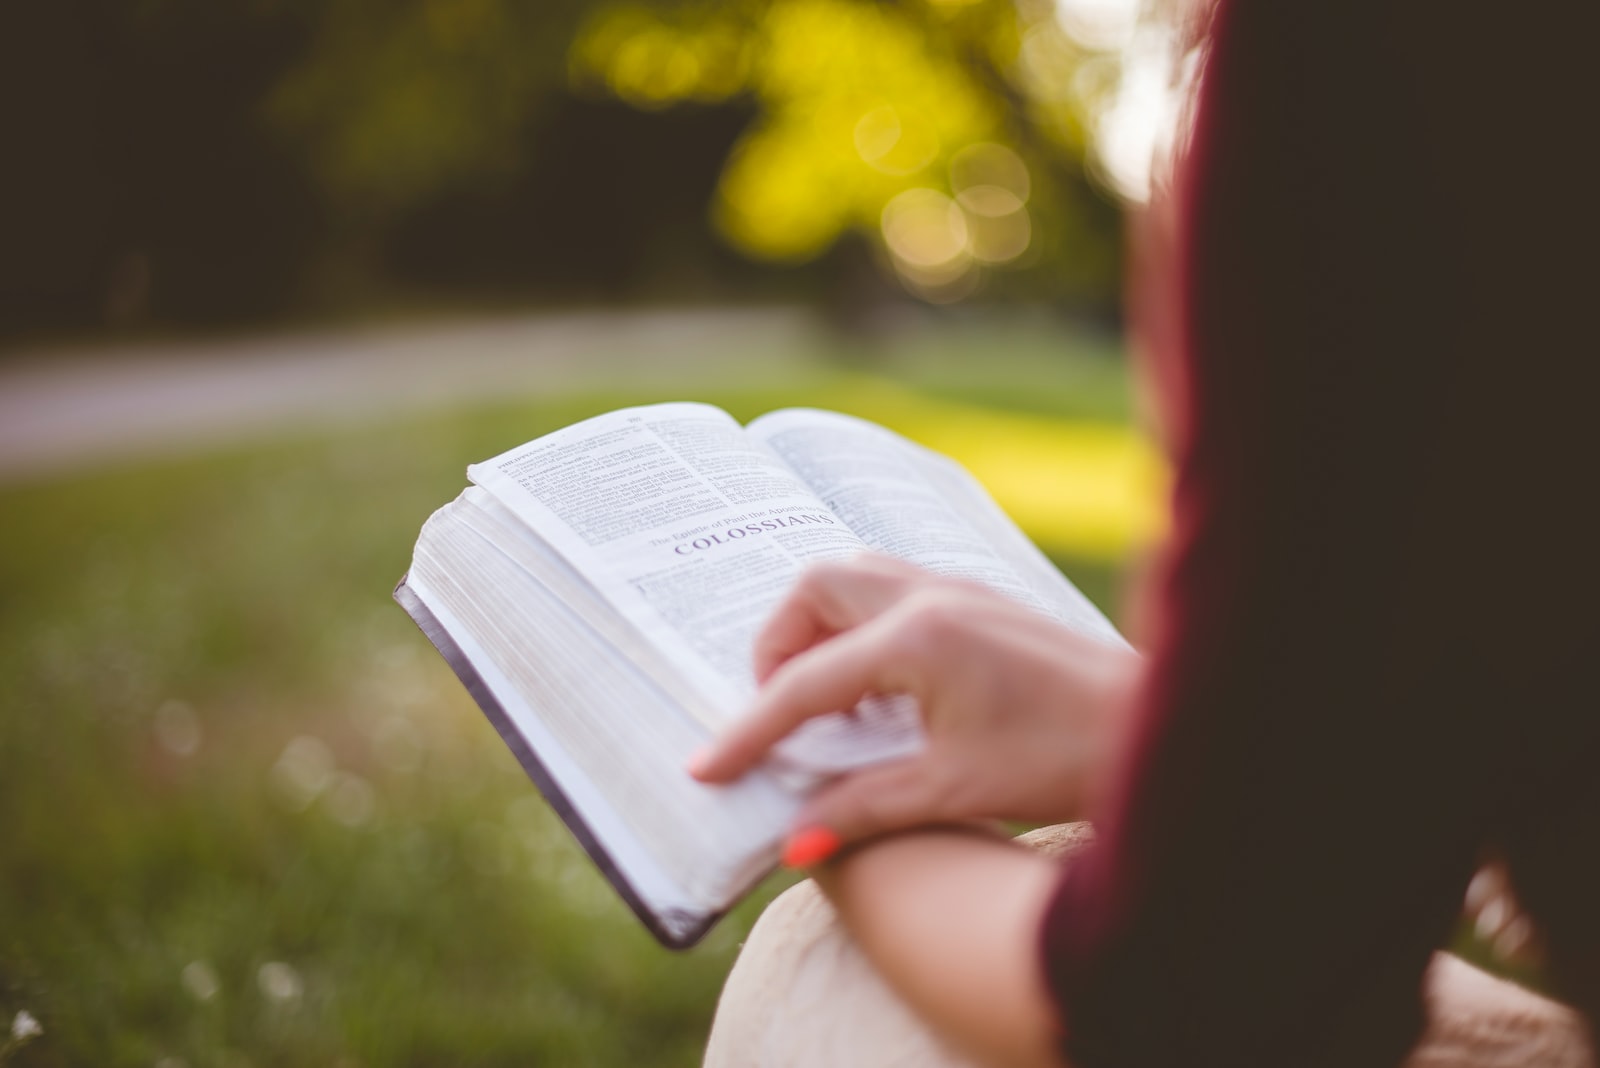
(598, 590)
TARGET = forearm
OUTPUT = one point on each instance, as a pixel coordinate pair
(951, 919)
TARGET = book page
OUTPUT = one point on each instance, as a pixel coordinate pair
(692, 532)
(910, 502)
(479, 510)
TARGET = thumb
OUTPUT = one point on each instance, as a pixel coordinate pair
(874, 801)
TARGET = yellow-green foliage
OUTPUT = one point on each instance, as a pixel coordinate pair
(857, 104)
(861, 104)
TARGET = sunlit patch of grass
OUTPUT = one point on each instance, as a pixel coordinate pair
(1078, 490)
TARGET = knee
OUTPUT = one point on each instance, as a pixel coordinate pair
(801, 994)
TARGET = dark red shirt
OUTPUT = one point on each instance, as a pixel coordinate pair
(1377, 655)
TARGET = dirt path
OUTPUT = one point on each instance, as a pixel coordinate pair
(69, 409)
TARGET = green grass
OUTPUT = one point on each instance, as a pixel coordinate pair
(224, 751)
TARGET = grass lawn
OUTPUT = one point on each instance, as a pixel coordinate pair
(249, 816)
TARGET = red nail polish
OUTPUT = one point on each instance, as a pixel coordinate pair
(810, 847)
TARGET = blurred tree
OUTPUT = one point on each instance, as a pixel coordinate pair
(202, 161)
(609, 205)
(137, 182)
(398, 98)
(950, 131)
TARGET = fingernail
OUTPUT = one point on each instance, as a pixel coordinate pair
(810, 847)
(698, 761)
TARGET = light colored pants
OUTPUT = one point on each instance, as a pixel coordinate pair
(802, 995)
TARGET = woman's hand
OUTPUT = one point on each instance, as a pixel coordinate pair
(1020, 712)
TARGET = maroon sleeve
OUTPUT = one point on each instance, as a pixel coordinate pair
(1376, 610)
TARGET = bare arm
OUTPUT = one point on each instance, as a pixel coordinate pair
(950, 918)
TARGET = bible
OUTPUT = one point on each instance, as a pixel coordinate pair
(598, 591)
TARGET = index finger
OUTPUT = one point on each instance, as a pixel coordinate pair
(829, 598)
(830, 677)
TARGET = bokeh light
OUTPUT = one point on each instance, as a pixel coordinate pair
(1101, 25)
(926, 233)
(992, 186)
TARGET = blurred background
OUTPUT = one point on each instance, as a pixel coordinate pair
(183, 164)
(272, 272)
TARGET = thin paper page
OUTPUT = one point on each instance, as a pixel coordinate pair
(479, 510)
(908, 502)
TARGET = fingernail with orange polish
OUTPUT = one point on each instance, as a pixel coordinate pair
(809, 847)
